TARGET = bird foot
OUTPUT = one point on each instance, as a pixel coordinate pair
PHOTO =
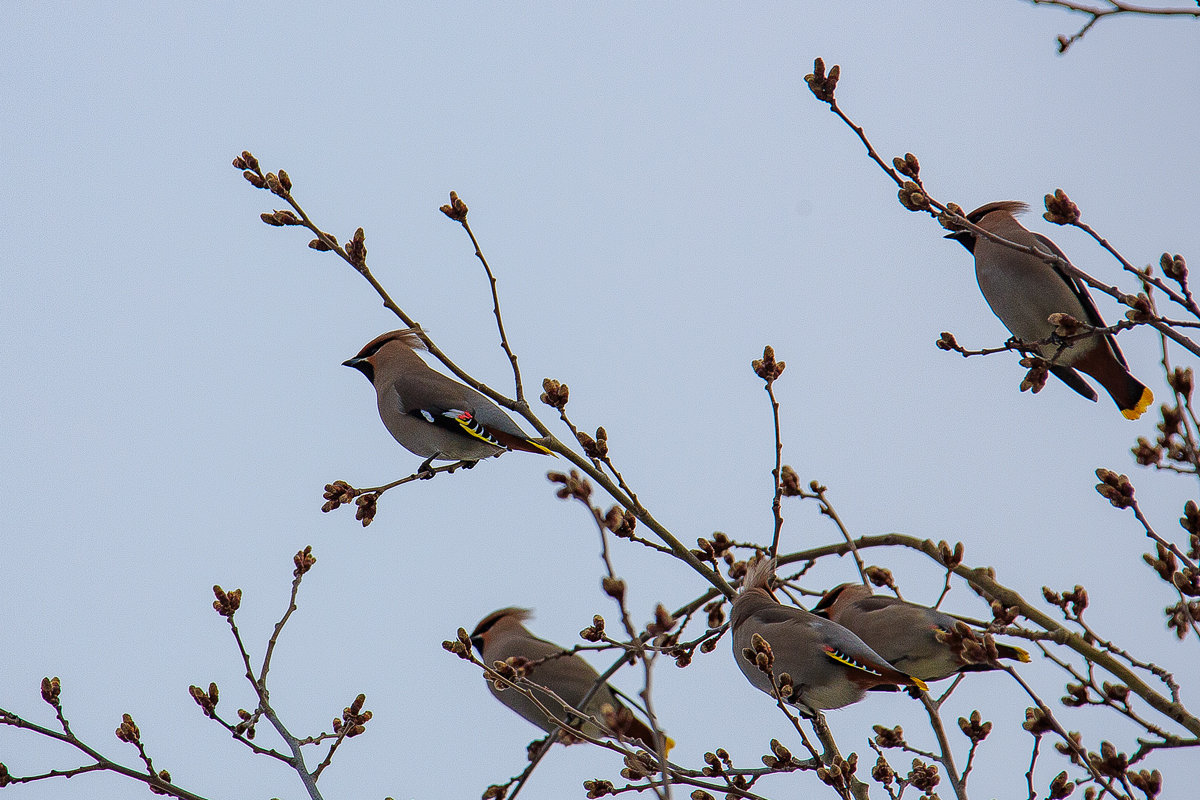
(425, 471)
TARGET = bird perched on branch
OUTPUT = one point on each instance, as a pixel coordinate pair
(917, 639)
(501, 636)
(432, 415)
(1023, 291)
(829, 666)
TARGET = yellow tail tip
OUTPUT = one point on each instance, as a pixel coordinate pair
(546, 451)
(920, 684)
(1142, 404)
(668, 743)
(1022, 655)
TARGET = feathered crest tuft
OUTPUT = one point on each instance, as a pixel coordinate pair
(1013, 207)
(758, 574)
(512, 612)
(408, 337)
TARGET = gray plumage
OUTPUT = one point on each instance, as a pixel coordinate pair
(429, 414)
(904, 633)
(1023, 291)
(829, 666)
(501, 635)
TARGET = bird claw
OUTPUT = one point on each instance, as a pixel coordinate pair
(425, 471)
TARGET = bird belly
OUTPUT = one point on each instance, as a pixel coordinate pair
(1024, 298)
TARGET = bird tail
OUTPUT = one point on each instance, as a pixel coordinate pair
(1015, 653)
(1144, 399)
(636, 729)
(520, 443)
(1131, 395)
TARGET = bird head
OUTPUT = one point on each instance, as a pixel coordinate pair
(498, 620)
(364, 362)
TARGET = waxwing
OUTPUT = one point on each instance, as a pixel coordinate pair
(904, 633)
(1024, 291)
(430, 414)
(501, 635)
(829, 666)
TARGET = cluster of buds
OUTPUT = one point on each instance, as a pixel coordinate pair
(923, 776)
(1115, 488)
(599, 788)
(597, 448)
(781, 759)
(207, 700)
(821, 84)
(974, 728)
(950, 557)
(971, 647)
(51, 688)
(1039, 371)
(888, 738)
(620, 522)
(127, 731)
(227, 602)
(1109, 761)
(354, 719)
(767, 367)
(323, 243)
(908, 166)
(573, 485)
(913, 197)
(555, 394)
(456, 209)
(1037, 721)
(337, 493)
(1060, 787)
(789, 482)
(759, 653)
(880, 576)
(718, 762)
(1076, 598)
(639, 765)
(279, 218)
(460, 645)
(1060, 210)
(595, 631)
(304, 560)
(367, 507)
(356, 249)
(839, 773)
(1174, 267)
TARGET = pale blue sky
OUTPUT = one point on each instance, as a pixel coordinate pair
(660, 196)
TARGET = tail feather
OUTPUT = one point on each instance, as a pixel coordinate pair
(1015, 653)
(636, 729)
(1131, 395)
(519, 443)
(1142, 403)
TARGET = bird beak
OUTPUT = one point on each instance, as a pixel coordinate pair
(363, 365)
(965, 238)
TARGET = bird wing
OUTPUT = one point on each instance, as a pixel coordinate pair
(1089, 308)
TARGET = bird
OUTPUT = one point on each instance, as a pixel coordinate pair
(829, 666)
(502, 635)
(1023, 291)
(431, 415)
(904, 633)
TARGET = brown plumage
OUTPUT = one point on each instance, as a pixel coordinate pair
(829, 666)
(432, 415)
(904, 633)
(1023, 291)
(502, 635)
